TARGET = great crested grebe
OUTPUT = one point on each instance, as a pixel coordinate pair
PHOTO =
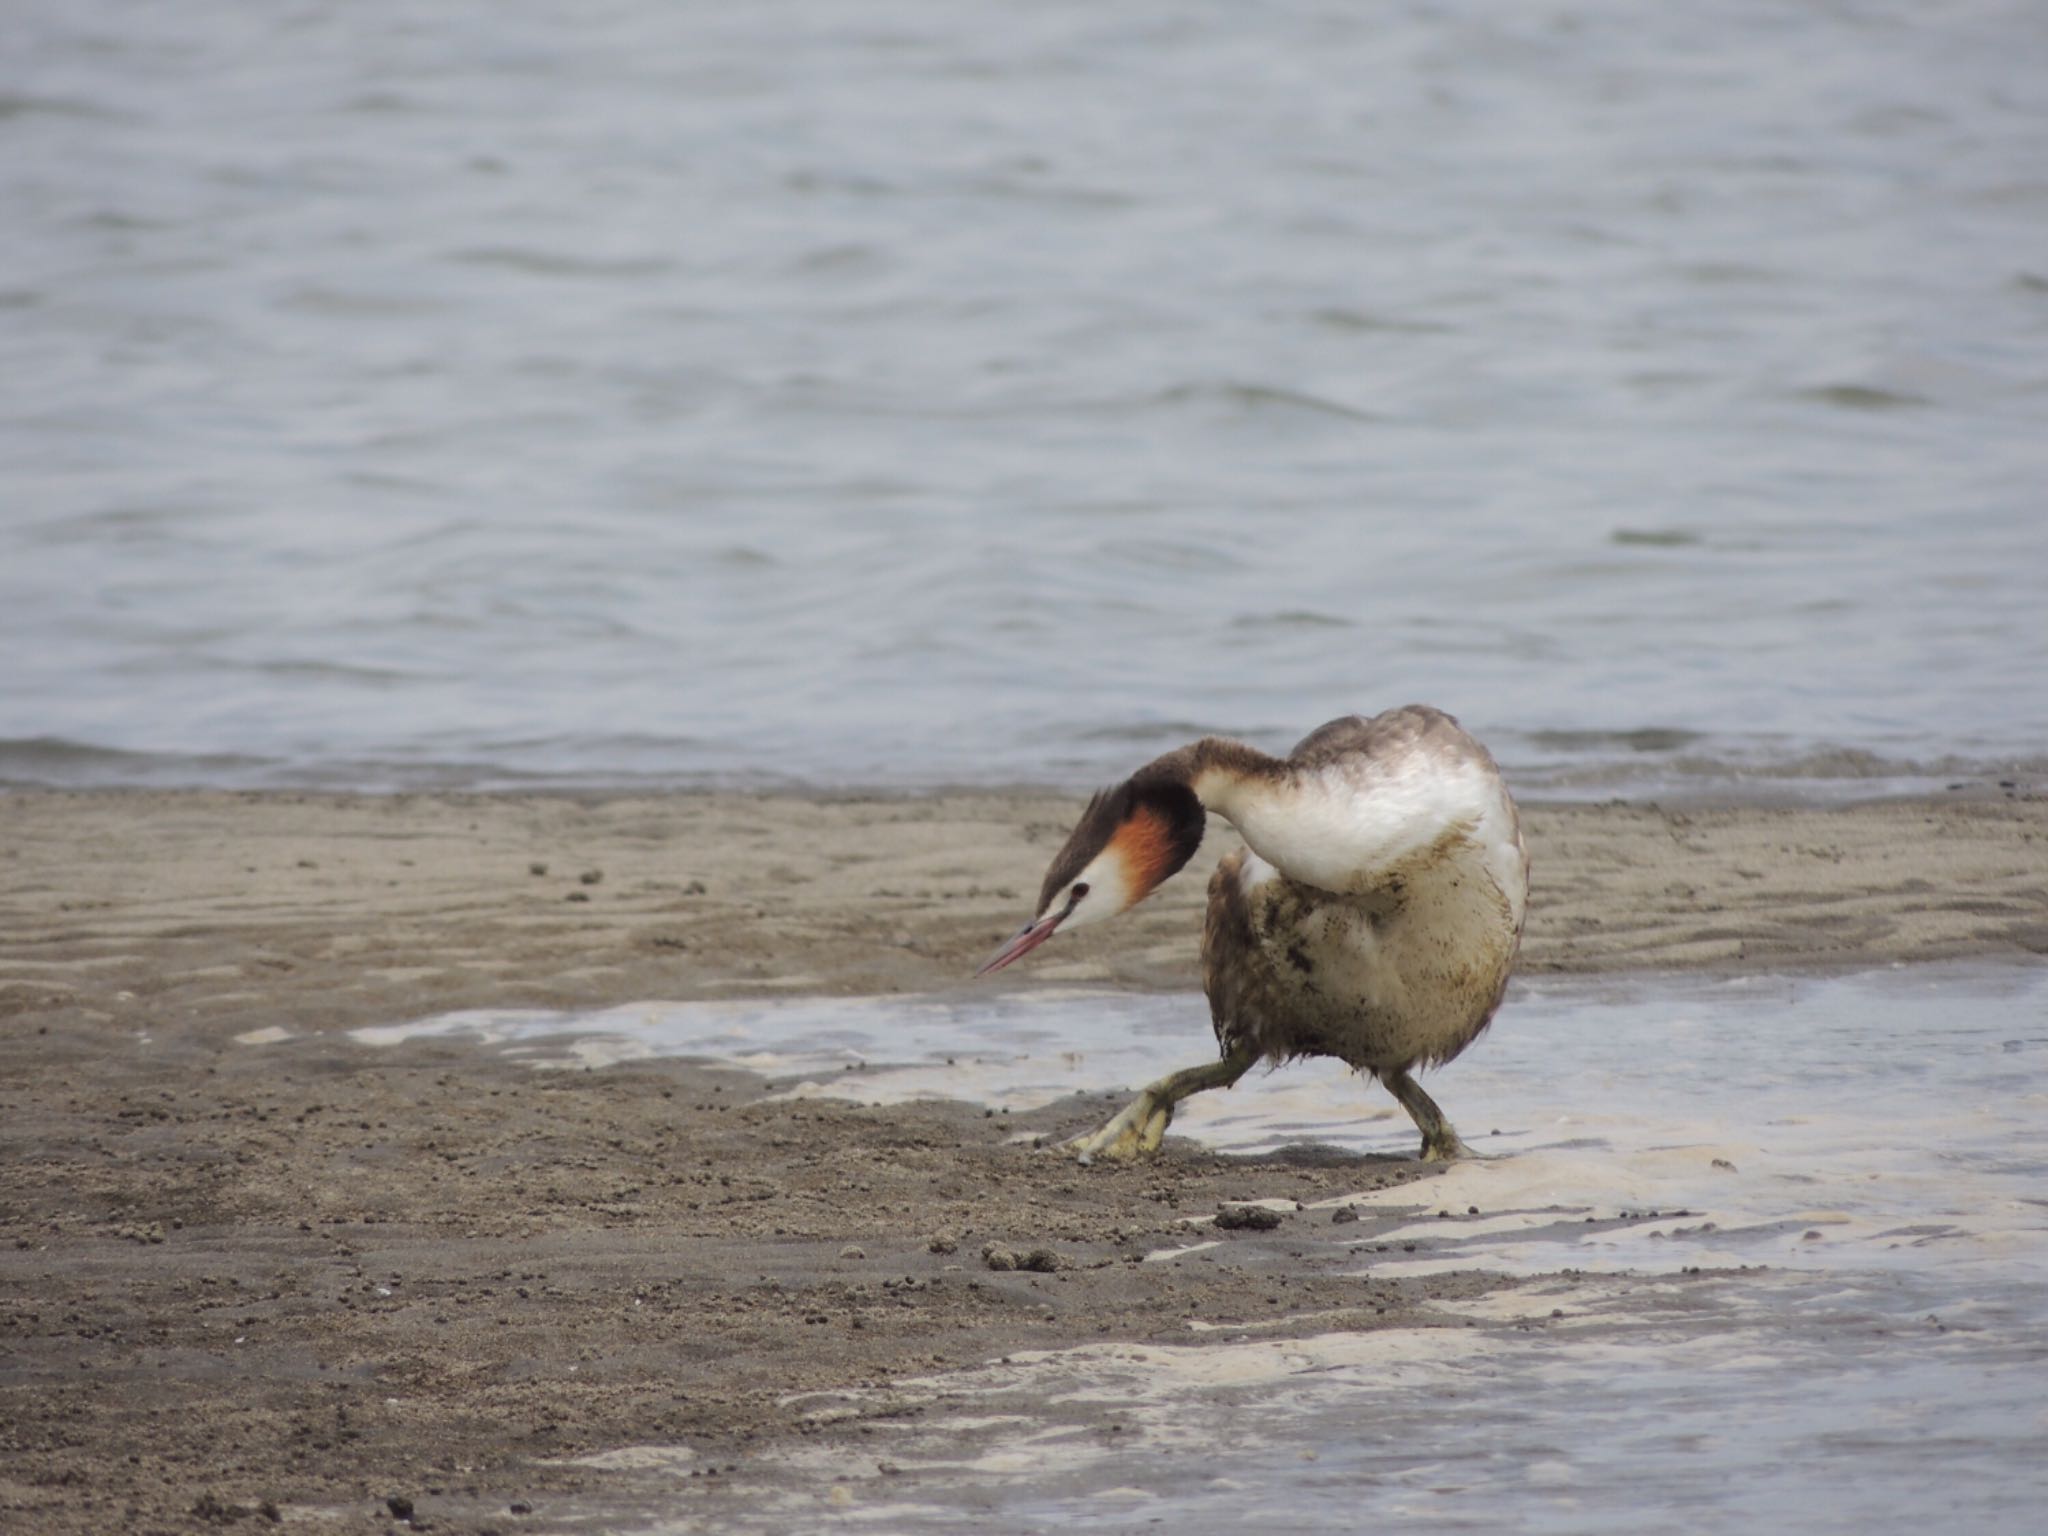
(1373, 916)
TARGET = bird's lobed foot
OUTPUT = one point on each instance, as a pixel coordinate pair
(1134, 1132)
(1444, 1147)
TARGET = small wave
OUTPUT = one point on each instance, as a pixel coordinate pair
(845, 256)
(1726, 273)
(1261, 398)
(319, 300)
(1291, 618)
(55, 762)
(121, 222)
(336, 671)
(1150, 732)
(380, 103)
(839, 184)
(657, 763)
(1647, 738)
(1654, 538)
(1860, 764)
(1181, 555)
(1824, 769)
(1051, 193)
(1336, 318)
(13, 105)
(1862, 397)
(539, 263)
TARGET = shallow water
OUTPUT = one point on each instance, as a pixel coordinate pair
(1857, 1164)
(911, 393)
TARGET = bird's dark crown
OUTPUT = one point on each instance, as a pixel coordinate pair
(1158, 817)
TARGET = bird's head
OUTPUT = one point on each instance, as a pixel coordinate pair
(1128, 840)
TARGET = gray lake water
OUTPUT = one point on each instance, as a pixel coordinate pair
(914, 392)
(1859, 1165)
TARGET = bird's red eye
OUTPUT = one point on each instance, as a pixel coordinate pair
(1080, 890)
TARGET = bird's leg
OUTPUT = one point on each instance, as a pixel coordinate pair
(1440, 1143)
(1140, 1126)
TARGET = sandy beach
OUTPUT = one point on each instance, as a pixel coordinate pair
(300, 1281)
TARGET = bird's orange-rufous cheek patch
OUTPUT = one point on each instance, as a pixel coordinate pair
(1144, 844)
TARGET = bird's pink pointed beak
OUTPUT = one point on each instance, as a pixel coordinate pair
(1020, 944)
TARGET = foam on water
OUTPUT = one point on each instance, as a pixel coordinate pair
(1830, 1312)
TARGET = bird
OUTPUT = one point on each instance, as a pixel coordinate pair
(1373, 914)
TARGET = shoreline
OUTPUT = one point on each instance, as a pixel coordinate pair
(1651, 767)
(312, 1277)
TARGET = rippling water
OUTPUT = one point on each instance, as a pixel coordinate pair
(909, 392)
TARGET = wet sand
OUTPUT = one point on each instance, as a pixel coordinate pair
(309, 1278)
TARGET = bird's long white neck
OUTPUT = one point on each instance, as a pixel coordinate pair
(1217, 769)
(1343, 827)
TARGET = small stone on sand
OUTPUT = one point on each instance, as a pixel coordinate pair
(1255, 1218)
(1041, 1261)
